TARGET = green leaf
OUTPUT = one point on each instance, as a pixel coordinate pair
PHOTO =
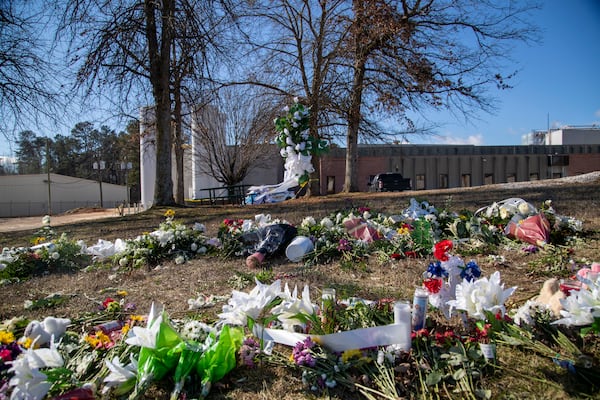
(433, 378)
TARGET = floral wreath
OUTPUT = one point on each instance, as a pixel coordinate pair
(296, 144)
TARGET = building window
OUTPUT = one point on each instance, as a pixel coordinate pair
(488, 179)
(534, 177)
(511, 178)
(330, 184)
(443, 181)
(420, 182)
(465, 180)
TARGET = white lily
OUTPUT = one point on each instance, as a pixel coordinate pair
(482, 295)
(146, 337)
(44, 357)
(291, 306)
(28, 383)
(243, 305)
(119, 373)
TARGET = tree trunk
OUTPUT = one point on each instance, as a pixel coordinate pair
(314, 185)
(160, 57)
(178, 146)
(351, 177)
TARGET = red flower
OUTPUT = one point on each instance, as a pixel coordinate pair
(433, 285)
(440, 250)
(411, 254)
(395, 256)
(5, 355)
(106, 302)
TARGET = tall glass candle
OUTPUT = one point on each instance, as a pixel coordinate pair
(419, 310)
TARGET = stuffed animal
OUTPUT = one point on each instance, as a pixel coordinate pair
(42, 332)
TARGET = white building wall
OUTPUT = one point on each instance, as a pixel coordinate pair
(24, 195)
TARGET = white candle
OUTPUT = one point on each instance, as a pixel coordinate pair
(402, 317)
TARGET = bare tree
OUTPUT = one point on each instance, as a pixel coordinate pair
(411, 55)
(233, 133)
(138, 46)
(29, 90)
(296, 45)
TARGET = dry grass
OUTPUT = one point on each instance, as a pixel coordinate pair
(524, 376)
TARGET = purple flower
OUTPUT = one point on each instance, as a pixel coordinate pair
(344, 245)
(531, 249)
(302, 355)
(249, 350)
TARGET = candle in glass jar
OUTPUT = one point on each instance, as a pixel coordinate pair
(419, 311)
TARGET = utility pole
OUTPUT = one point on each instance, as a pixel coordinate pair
(100, 166)
(48, 174)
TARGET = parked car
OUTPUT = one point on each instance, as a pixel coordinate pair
(272, 193)
(390, 182)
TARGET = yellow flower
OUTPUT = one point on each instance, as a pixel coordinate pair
(169, 213)
(125, 330)
(92, 340)
(403, 230)
(27, 343)
(122, 293)
(38, 240)
(138, 318)
(350, 354)
(6, 337)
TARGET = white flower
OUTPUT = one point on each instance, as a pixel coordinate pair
(55, 255)
(308, 222)
(123, 262)
(524, 208)
(46, 220)
(179, 260)
(286, 109)
(524, 314)
(482, 295)
(28, 383)
(195, 330)
(291, 306)
(146, 337)
(582, 306)
(44, 357)
(327, 223)
(366, 215)
(296, 99)
(163, 237)
(243, 305)
(119, 373)
(2, 266)
(201, 250)
(199, 227)
(193, 247)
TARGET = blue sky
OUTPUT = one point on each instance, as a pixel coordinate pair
(558, 81)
